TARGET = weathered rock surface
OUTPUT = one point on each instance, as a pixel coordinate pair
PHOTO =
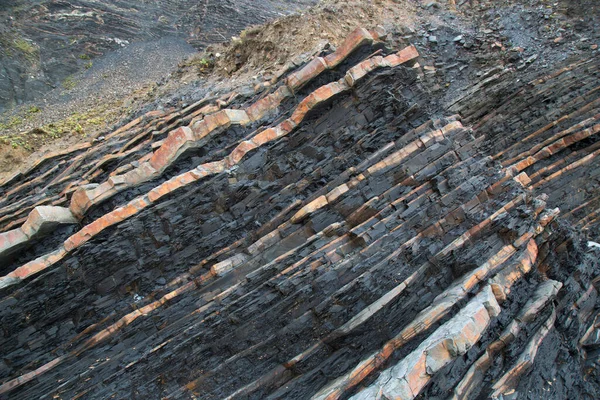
(342, 233)
(42, 43)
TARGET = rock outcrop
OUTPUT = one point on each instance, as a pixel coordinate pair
(333, 236)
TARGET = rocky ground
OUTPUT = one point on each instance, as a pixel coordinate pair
(72, 69)
(45, 43)
(314, 210)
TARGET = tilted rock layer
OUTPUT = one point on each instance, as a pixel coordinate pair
(332, 236)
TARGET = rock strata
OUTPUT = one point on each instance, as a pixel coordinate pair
(338, 235)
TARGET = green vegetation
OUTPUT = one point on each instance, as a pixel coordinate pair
(23, 128)
(12, 44)
(76, 124)
(203, 64)
(84, 57)
(69, 83)
(33, 109)
(88, 65)
(16, 141)
(13, 122)
(24, 46)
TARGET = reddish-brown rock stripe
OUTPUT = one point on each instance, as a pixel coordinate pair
(321, 95)
(182, 139)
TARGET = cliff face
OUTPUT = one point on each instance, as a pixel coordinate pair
(43, 43)
(404, 214)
